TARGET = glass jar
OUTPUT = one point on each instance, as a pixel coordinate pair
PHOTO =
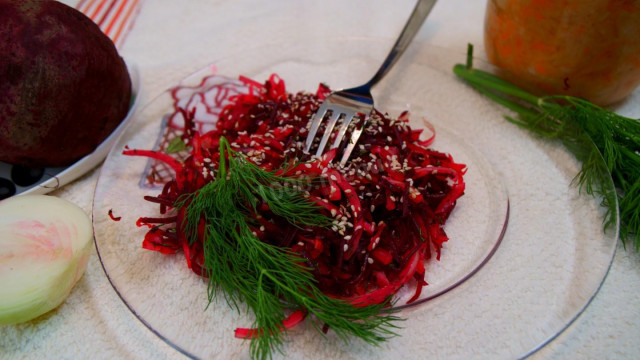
(584, 48)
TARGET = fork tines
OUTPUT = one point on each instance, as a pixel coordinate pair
(340, 119)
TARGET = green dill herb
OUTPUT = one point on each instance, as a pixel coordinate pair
(176, 145)
(268, 279)
(607, 144)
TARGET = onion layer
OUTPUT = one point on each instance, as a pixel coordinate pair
(45, 244)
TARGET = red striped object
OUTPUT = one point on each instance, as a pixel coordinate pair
(114, 17)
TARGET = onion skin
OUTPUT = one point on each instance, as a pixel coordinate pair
(45, 245)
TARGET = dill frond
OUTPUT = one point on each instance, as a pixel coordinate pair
(606, 143)
(267, 278)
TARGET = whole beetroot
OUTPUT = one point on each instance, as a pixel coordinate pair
(63, 86)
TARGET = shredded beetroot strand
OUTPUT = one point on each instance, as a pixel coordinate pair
(114, 218)
(291, 321)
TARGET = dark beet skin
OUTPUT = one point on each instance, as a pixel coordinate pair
(63, 86)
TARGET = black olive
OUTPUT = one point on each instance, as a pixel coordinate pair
(25, 176)
(7, 188)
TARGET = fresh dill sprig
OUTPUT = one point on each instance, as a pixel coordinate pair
(267, 278)
(607, 144)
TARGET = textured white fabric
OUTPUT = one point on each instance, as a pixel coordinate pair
(170, 40)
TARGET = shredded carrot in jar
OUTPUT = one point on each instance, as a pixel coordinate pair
(583, 48)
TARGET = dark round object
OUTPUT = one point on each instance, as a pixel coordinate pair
(26, 176)
(7, 188)
(63, 86)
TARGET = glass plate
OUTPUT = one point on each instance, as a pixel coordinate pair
(531, 285)
(51, 179)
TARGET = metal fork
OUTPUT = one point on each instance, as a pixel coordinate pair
(357, 102)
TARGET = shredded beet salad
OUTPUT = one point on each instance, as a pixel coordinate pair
(389, 203)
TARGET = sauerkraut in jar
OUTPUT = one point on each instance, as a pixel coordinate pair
(583, 48)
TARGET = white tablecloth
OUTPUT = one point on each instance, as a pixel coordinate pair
(170, 40)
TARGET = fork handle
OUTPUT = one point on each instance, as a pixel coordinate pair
(420, 12)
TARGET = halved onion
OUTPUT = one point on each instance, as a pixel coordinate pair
(45, 244)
